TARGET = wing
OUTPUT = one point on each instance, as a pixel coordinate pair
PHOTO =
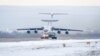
(62, 29)
(31, 28)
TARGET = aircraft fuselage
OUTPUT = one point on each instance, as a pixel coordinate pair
(48, 33)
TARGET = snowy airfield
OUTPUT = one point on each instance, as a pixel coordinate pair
(86, 47)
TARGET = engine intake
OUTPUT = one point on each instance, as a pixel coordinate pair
(35, 31)
(66, 32)
(28, 32)
(59, 32)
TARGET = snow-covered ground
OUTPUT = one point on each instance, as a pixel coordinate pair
(87, 47)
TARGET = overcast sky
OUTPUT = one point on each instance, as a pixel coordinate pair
(79, 17)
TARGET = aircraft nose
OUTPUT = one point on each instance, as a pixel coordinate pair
(45, 30)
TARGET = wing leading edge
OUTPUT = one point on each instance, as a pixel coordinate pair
(62, 29)
(31, 28)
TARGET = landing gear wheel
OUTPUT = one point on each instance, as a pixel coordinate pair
(44, 37)
(54, 37)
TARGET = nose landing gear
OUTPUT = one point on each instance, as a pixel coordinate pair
(44, 38)
(54, 37)
(48, 37)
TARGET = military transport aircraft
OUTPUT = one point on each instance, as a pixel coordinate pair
(48, 31)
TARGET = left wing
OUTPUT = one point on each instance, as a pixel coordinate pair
(31, 28)
(28, 29)
(62, 29)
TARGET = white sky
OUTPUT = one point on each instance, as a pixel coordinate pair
(82, 14)
(51, 2)
(79, 17)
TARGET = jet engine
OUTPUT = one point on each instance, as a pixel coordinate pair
(28, 32)
(66, 32)
(35, 31)
(59, 32)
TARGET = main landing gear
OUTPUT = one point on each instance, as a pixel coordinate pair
(44, 38)
(54, 37)
(48, 37)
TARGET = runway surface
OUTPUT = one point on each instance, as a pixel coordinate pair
(18, 39)
(86, 47)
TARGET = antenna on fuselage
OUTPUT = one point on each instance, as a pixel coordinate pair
(49, 21)
(52, 15)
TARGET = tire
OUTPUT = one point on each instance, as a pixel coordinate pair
(54, 37)
(42, 37)
(46, 37)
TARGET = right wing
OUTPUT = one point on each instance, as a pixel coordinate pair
(63, 29)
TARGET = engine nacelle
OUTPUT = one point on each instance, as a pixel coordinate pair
(59, 32)
(66, 32)
(35, 31)
(28, 32)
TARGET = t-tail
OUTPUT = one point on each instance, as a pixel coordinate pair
(53, 14)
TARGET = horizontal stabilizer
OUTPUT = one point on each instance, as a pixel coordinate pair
(52, 14)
